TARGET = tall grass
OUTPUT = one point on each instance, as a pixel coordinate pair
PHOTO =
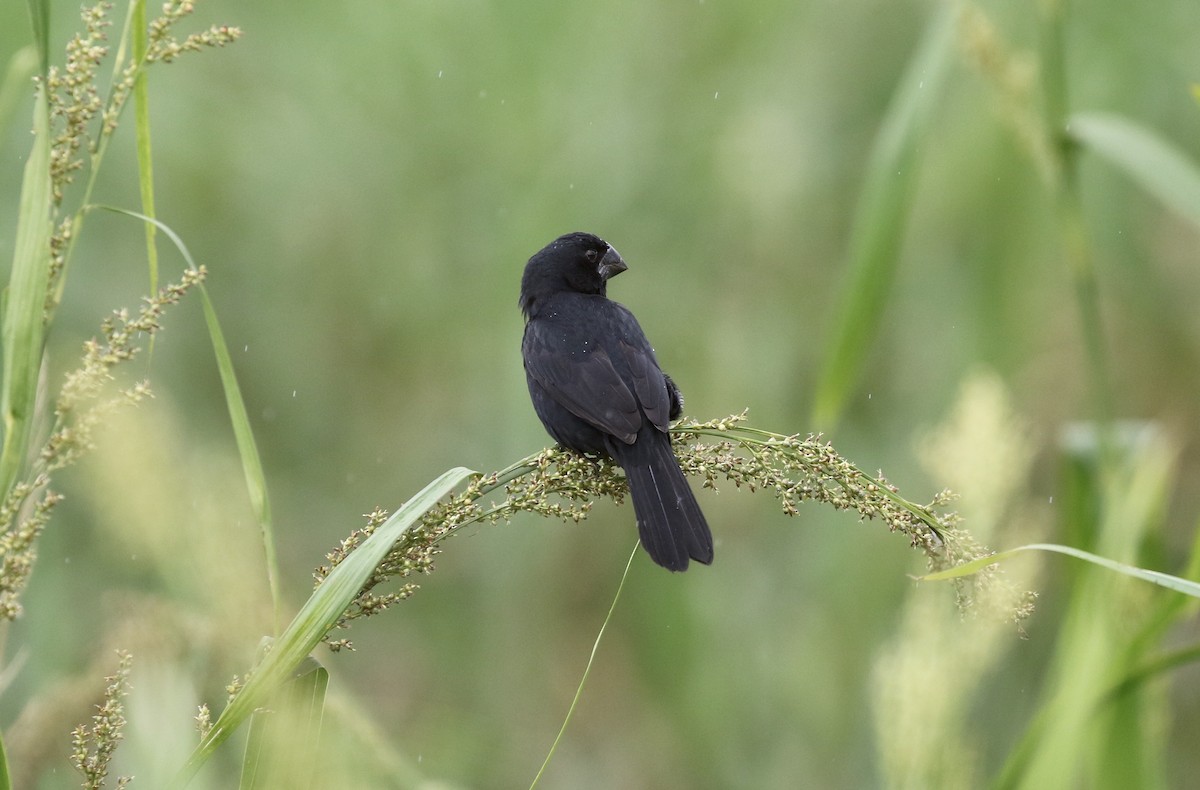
(1099, 722)
(756, 673)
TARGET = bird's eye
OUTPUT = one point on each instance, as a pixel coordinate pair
(591, 255)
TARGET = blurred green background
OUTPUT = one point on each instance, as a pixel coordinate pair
(365, 183)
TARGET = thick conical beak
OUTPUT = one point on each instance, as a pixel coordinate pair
(611, 265)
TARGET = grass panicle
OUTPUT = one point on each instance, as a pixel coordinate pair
(562, 484)
(72, 127)
(80, 408)
(1013, 76)
(83, 123)
(93, 745)
(985, 449)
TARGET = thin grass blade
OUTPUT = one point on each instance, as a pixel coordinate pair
(166, 229)
(239, 417)
(1175, 583)
(587, 668)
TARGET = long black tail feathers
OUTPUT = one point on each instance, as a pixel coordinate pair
(672, 527)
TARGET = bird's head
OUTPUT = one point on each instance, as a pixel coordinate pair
(576, 262)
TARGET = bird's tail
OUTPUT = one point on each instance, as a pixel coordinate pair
(670, 523)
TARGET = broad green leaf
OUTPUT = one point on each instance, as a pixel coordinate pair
(22, 330)
(314, 620)
(1154, 164)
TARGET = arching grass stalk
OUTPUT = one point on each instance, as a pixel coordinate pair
(562, 484)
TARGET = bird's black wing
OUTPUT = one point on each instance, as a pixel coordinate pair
(577, 371)
(649, 383)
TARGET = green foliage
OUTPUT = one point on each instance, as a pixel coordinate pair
(94, 745)
(364, 193)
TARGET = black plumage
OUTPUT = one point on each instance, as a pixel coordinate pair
(597, 388)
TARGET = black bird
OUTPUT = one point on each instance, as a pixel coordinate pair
(598, 389)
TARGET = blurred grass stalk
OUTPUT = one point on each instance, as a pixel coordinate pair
(136, 38)
(1121, 487)
(1068, 199)
(1084, 734)
(27, 309)
(880, 218)
(1100, 724)
(926, 681)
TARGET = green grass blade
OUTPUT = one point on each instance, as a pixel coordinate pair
(23, 330)
(281, 750)
(1175, 583)
(1154, 164)
(141, 111)
(239, 418)
(880, 219)
(166, 229)
(319, 613)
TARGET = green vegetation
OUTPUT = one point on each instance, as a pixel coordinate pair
(959, 238)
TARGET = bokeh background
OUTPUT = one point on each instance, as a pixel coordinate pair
(365, 183)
